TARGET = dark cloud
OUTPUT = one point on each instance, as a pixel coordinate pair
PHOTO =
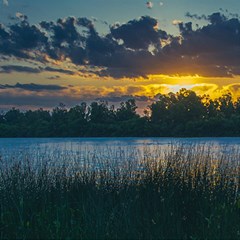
(217, 18)
(101, 50)
(54, 77)
(149, 4)
(65, 32)
(85, 22)
(19, 39)
(196, 16)
(3, 33)
(139, 34)
(136, 48)
(220, 38)
(27, 69)
(33, 87)
(59, 70)
(122, 98)
(66, 41)
(8, 100)
(16, 68)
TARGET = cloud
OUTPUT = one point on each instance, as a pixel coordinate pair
(31, 95)
(33, 87)
(5, 2)
(33, 100)
(137, 48)
(59, 70)
(21, 16)
(38, 95)
(149, 5)
(16, 68)
(122, 98)
(204, 88)
(196, 16)
(62, 41)
(177, 22)
(234, 88)
(19, 40)
(26, 69)
(139, 34)
(54, 77)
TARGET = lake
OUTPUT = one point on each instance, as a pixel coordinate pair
(112, 150)
(126, 154)
(73, 143)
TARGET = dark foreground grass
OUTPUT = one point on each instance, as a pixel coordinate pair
(180, 196)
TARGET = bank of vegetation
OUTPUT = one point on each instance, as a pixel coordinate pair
(182, 114)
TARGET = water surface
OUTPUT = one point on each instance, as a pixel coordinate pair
(111, 149)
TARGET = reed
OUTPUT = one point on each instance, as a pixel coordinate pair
(121, 194)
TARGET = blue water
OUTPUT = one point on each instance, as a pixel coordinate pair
(75, 143)
(114, 150)
(71, 143)
(9, 146)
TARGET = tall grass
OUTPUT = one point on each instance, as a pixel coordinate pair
(152, 194)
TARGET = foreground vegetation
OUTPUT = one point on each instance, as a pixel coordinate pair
(173, 195)
(183, 114)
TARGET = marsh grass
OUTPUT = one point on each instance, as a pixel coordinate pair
(118, 194)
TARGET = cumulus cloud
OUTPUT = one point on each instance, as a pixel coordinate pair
(133, 49)
(139, 34)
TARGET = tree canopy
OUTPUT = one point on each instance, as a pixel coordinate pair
(181, 114)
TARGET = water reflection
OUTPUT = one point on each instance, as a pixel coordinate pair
(114, 150)
(75, 144)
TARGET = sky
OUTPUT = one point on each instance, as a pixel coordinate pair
(55, 51)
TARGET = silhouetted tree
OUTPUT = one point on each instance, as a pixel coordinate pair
(174, 114)
(127, 110)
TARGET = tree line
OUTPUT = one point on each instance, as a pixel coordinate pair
(181, 114)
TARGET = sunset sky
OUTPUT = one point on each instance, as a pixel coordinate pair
(54, 51)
